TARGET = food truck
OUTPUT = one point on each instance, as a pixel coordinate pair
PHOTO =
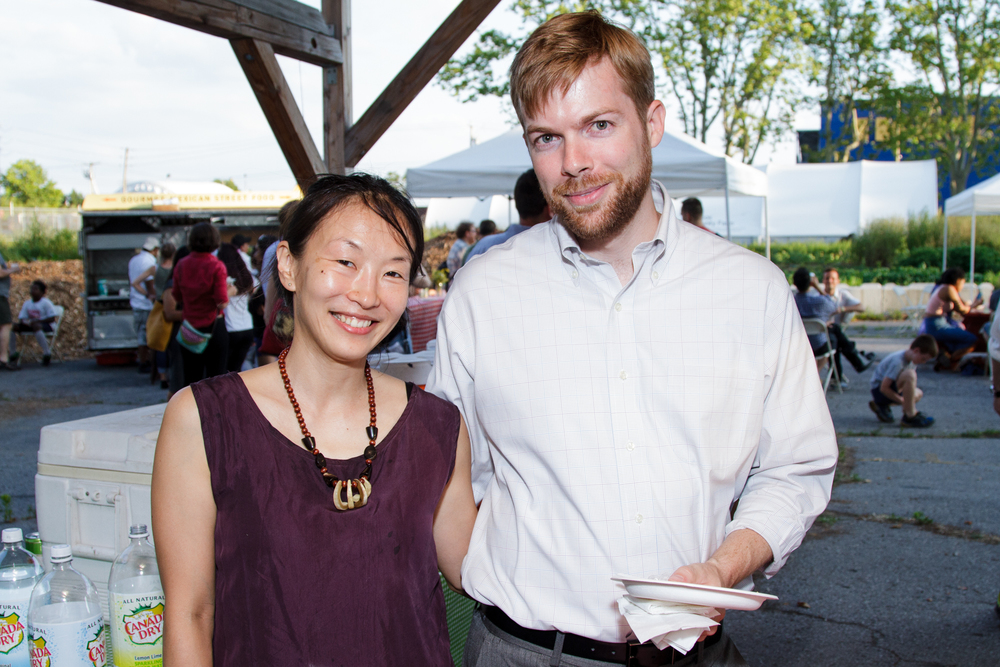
(114, 227)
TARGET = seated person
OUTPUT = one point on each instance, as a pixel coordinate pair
(950, 335)
(847, 305)
(36, 316)
(994, 348)
(818, 305)
(894, 382)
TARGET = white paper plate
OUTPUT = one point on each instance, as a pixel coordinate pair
(682, 593)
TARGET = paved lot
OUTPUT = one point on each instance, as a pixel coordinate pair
(871, 585)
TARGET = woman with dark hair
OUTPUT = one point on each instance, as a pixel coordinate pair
(239, 324)
(954, 341)
(172, 312)
(325, 552)
(200, 288)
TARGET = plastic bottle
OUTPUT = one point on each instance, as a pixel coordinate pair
(136, 604)
(19, 572)
(65, 624)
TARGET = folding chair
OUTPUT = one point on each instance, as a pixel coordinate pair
(816, 326)
(53, 337)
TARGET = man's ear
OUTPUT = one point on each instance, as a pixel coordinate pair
(286, 266)
(655, 119)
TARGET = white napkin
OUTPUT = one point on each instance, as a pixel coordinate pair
(666, 623)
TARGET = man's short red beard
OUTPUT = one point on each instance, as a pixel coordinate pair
(605, 220)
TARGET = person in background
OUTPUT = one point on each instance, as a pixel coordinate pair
(201, 290)
(894, 382)
(532, 209)
(262, 562)
(141, 296)
(275, 313)
(173, 313)
(466, 236)
(953, 340)
(242, 245)
(487, 228)
(160, 274)
(847, 305)
(994, 349)
(6, 318)
(692, 212)
(37, 315)
(256, 304)
(239, 324)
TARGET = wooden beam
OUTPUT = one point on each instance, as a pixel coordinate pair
(275, 98)
(431, 57)
(292, 28)
(337, 100)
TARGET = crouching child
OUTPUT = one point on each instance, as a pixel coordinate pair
(894, 382)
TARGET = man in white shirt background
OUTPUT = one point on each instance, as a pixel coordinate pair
(847, 305)
(625, 379)
(141, 296)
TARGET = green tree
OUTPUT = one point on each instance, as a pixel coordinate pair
(397, 180)
(731, 62)
(725, 61)
(848, 60)
(26, 184)
(73, 199)
(950, 110)
(229, 183)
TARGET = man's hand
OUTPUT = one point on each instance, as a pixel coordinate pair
(705, 574)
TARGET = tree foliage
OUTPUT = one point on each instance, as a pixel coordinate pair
(25, 183)
(228, 182)
(950, 111)
(848, 60)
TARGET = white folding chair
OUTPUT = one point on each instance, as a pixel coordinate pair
(53, 337)
(816, 326)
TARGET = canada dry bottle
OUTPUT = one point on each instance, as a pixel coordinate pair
(136, 603)
(65, 625)
(19, 572)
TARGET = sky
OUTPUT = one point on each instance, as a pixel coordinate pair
(81, 82)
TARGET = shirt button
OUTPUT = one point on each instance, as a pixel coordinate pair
(623, 375)
(638, 518)
(656, 276)
(576, 274)
(618, 307)
(630, 446)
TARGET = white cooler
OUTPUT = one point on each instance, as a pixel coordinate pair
(92, 484)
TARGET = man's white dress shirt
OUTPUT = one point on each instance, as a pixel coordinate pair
(613, 426)
(137, 265)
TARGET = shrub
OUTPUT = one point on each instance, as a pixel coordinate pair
(924, 231)
(39, 243)
(878, 245)
(922, 257)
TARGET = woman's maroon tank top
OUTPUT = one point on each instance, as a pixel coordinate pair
(298, 582)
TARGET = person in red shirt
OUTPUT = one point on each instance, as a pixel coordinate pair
(200, 288)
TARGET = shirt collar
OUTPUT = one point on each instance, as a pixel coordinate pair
(665, 237)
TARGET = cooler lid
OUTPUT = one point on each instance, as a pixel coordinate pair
(122, 441)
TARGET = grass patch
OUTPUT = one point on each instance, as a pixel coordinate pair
(922, 519)
(38, 243)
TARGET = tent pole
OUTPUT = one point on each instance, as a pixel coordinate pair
(944, 247)
(767, 232)
(972, 244)
(729, 231)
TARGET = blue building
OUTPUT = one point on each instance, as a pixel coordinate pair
(872, 128)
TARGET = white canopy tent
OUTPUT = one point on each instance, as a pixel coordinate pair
(980, 198)
(685, 166)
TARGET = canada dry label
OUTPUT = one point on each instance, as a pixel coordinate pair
(74, 644)
(137, 630)
(14, 632)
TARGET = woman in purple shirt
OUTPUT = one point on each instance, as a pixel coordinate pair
(302, 509)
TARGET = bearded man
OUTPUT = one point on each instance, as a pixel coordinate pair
(626, 378)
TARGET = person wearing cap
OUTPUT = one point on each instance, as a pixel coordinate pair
(141, 295)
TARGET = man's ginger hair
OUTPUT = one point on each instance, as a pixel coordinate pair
(561, 48)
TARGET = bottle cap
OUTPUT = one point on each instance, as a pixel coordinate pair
(61, 553)
(11, 535)
(138, 530)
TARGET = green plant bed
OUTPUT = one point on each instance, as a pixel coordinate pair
(38, 243)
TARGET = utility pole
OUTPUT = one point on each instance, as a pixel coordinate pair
(125, 174)
(89, 173)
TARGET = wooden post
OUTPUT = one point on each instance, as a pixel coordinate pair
(337, 98)
(283, 115)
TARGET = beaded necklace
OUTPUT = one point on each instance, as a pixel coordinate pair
(344, 496)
